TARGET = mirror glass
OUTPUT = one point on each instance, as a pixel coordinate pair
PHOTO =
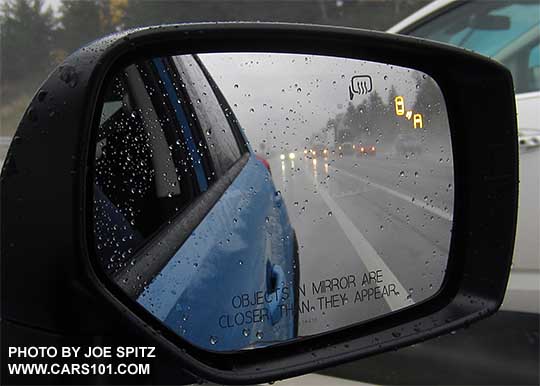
(250, 199)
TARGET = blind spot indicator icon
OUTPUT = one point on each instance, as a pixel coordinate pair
(361, 85)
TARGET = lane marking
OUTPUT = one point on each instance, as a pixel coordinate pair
(365, 250)
(367, 253)
(352, 193)
(430, 208)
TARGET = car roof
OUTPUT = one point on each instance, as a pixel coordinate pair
(421, 13)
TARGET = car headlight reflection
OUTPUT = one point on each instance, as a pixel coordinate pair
(282, 157)
(292, 156)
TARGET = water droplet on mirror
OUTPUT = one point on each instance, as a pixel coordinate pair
(245, 332)
(41, 96)
(213, 340)
(259, 335)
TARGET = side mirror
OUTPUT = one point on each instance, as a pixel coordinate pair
(262, 200)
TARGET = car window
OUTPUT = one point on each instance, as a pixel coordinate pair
(533, 67)
(210, 113)
(505, 30)
(181, 107)
(148, 164)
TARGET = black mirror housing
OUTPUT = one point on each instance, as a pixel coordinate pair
(50, 279)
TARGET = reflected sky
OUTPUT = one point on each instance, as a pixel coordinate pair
(291, 96)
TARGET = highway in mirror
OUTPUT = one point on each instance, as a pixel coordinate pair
(361, 154)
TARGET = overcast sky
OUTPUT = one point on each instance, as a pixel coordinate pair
(53, 3)
(286, 98)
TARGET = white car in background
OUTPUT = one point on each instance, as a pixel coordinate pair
(509, 32)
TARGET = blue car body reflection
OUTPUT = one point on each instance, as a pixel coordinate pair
(230, 281)
(231, 284)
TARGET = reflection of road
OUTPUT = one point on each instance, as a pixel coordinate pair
(385, 220)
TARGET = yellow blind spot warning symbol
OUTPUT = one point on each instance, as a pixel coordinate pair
(400, 105)
(417, 121)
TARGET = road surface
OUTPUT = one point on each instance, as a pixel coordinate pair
(373, 232)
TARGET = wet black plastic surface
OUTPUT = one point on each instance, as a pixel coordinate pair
(503, 349)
